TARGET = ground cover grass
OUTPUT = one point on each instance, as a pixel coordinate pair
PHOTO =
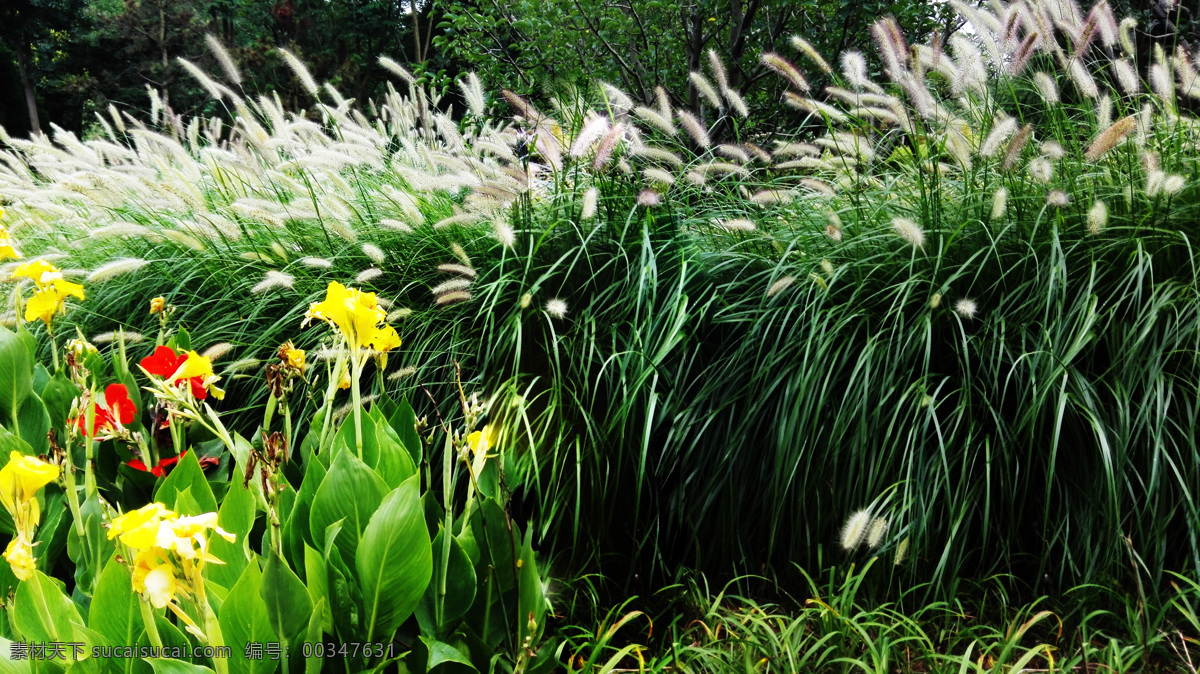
(962, 298)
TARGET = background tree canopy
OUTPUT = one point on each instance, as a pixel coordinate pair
(64, 60)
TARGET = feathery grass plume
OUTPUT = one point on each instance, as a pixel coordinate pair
(466, 218)
(451, 285)
(1047, 87)
(819, 186)
(801, 45)
(656, 120)
(827, 267)
(216, 351)
(694, 128)
(875, 534)
(116, 268)
(966, 308)
(779, 286)
(718, 69)
(834, 232)
(764, 197)
(935, 301)
(180, 239)
(472, 90)
(1012, 153)
(214, 89)
(1024, 51)
(223, 58)
(1127, 76)
(273, 279)
(460, 253)
(784, 69)
(901, 552)
(999, 203)
(1125, 35)
(374, 252)
(590, 197)
(1109, 138)
(399, 314)
(1001, 130)
(1097, 218)
(453, 268)
(618, 99)
(736, 102)
(604, 150)
(523, 107)
(649, 198)
(242, 365)
(909, 231)
(402, 373)
(736, 225)
(854, 69)
(855, 529)
(1162, 84)
(592, 131)
(395, 225)
(318, 262)
(1057, 198)
(556, 307)
(1104, 111)
(301, 71)
(705, 88)
(109, 337)
(1052, 150)
(1172, 184)
(1041, 170)
(1082, 78)
(656, 175)
(660, 155)
(453, 297)
(369, 274)
(396, 69)
(733, 152)
(504, 233)
(815, 107)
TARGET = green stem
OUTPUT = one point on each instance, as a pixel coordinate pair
(148, 621)
(53, 346)
(269, 415)
(89, 476)
(287, 428)
(356, 374)
(72, 495)
(330, 391)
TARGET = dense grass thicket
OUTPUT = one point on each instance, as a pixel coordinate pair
(961, 302)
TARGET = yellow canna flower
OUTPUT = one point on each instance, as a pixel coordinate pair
(483, 440)
(20, 480)
(19, 556)
(35, 270)
(139, 529)
(344, 382)
(195, 366)
(154, 577)
(354, 313)
(385, 339)
(157, 305)
(294, 358)
(185, 536)
(7, 251)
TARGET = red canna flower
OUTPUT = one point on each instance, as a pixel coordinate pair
(165, 465)
(117, 408)
(164, 362)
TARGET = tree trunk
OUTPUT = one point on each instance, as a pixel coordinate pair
(23, 60)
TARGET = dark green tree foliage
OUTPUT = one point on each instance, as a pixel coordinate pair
(33, 39)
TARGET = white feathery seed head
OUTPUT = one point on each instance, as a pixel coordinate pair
(273, 279)
(374, 252)
(909, 231)
(1057, 198)
(317, 262)
(369, 274)
(302, 73)
(780, 285)
(855, 529)
(999, 203)
(556, 307)
(1097, 218)
(590, 198)
(966, 308)
(216, 351)
(876, 532)
(116, 268)
(223, 57)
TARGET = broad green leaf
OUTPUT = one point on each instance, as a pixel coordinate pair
(187, 474)
(441, 652)
(43, 612)
(531, 597)
(58, 396)
(345, 595)
(318, 582)
(436, 612)
(344, 441)
(496, 543)
(395, 465)
(170, 666)
(314, 634)
(91, 552)
(34, 423)
(394, 561)
(8, 665)
(16, 375)
(41, 377)
(350, 492)
(237, 517)
(288, 604)
(10, 443)
(50, 539)
(296, 533)
(244, 620)
(404, 422)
